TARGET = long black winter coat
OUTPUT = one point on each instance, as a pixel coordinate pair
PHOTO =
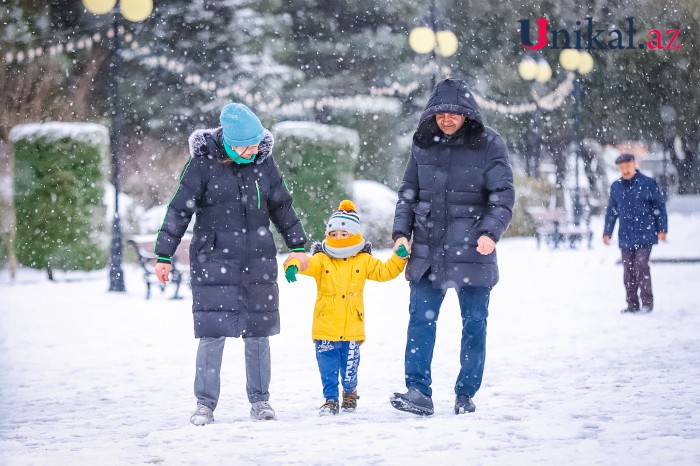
(454, 190)
(233, 259)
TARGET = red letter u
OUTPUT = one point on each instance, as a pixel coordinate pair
(541, 33)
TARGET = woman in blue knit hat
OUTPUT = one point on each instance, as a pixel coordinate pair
(235, 188)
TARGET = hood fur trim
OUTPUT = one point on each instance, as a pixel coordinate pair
(198, 144)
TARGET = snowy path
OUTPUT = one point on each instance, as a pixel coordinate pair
(88, 377)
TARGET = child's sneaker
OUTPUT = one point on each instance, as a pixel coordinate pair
(350, 401)
(202, 416)
(330, 407)
(261, 411)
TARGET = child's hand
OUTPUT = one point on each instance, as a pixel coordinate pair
(402, 252)
(291, 273)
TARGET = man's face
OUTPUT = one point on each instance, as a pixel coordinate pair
(449, 123)
(627, 169)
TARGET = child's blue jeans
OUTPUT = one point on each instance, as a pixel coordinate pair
(337, 358)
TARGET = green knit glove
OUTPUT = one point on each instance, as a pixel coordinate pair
(402, 252)
(291, 273)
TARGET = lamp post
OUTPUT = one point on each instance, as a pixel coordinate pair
(433, 40)
(668, 117)
(537, 71)
(134, 11)
(581, 63)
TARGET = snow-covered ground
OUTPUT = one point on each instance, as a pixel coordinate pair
(97, 378)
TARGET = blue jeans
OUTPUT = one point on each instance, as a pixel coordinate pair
(337, 358)
(207, 380)
(424, 309)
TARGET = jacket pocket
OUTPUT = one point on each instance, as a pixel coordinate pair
(464, 211)
(203, 243)
(422, 208)
(421, 221)
(357, 307)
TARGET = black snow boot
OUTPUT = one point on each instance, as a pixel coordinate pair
(464, 404)
(413, 402)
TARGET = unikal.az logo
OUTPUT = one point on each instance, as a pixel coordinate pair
(600, 39)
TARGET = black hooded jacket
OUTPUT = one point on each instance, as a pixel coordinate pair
(233, 259)
(454, 190)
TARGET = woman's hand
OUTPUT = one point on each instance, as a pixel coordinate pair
(163, 272)
(485, 245)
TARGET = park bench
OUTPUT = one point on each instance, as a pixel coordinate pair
(143, 246)
(553, 227)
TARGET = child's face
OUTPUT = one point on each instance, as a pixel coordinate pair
(338, 234)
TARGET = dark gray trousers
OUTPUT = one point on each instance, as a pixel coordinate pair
(637, 277)
(207, 381)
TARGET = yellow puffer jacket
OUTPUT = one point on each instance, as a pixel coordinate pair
(339, 313)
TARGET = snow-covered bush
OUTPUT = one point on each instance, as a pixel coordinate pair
(529, 192)
(375, 205)
(317, 161)
(376, 120)
(59, 175)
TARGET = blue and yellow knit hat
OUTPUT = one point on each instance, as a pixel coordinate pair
(344, 219)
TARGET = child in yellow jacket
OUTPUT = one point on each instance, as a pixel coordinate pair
(341, 264)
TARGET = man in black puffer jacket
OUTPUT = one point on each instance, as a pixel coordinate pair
(235, 188)
(455, 201)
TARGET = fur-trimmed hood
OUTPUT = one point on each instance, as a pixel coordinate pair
(317, 247)
(208, 143)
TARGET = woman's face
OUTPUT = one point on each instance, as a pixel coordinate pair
(246, 152)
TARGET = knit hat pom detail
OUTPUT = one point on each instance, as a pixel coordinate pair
(347, 206)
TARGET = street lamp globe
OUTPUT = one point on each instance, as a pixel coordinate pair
(528, 69)
(570, 59)
(422, 39)
(447, 43)
(99, 7)
(586, 63)
(544, 71)
(136, 10)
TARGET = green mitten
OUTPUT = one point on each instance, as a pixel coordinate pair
(291, 273)
(402, 252)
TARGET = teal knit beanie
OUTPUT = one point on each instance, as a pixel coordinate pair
(241, 127)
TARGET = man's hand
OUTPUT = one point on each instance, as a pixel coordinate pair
(402, 242)
(485, 245)
(661, 235)
(163, 272)
(606, 240)
(301, 257)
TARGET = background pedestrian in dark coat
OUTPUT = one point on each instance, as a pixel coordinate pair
(235, 188)
(455, 201)
(636, 200)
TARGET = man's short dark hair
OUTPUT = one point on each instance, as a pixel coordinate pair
(622, 158)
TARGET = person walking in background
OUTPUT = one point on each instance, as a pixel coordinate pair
(341, 264)
(456, 200)
(235, 188)
(636, 201)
